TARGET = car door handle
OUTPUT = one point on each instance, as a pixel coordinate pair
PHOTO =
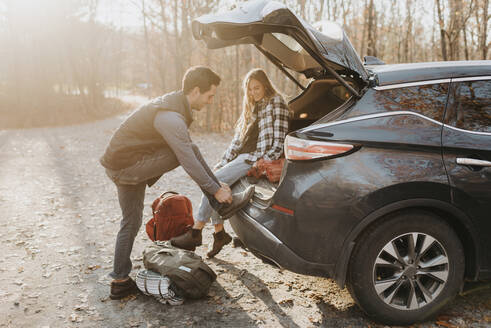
(473, 162)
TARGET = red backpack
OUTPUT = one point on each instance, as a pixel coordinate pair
(172, 216)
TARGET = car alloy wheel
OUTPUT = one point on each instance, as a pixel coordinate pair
(410, 271)
(405, 267)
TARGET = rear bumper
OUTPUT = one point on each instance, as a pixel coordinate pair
(257, 238)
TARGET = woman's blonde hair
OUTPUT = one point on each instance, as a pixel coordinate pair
(248, 102)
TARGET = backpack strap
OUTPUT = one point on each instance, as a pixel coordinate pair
(169, 192)
(158, 200)
(154, 230)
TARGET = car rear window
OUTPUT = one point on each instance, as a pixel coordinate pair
(428, 100)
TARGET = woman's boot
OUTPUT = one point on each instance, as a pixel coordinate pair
(220, 239)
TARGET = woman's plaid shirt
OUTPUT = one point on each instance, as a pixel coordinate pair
(273, 116)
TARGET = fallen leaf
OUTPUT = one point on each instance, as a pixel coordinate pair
(91, 268)
(75, 318)
(446, 324)
(287, 302)
(80, 307)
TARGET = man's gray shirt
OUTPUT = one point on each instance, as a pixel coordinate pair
(172, 127)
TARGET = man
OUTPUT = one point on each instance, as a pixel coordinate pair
(153, 140)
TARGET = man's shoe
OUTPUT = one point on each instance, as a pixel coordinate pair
(239, 200)
(188, 241)
(122, 289)
(220, 239)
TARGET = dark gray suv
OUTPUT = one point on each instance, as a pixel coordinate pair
(387, 183)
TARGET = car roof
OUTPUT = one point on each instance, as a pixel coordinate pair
(406, 73)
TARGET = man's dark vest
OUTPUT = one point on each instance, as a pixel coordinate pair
(137, 137)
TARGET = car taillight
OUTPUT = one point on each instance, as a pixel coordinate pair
(300, 149)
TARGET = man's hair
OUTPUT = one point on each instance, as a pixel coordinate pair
(201, 77)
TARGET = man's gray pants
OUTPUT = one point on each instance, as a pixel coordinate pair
(229, 173)
(131, 183)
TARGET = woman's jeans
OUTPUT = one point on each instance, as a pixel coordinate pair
(229, 174)
(131, 183)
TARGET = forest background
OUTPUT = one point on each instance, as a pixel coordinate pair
(73, 61)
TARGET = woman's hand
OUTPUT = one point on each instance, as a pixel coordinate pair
(258, 163)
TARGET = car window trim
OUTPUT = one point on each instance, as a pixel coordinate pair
(474, 78)
(411, 84)
(376, 115)
(440, 81)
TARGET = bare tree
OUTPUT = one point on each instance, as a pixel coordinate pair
(371, 27)
(75, 61)
(443, 35)
(482, 20)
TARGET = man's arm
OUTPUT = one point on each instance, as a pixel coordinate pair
(173, 129)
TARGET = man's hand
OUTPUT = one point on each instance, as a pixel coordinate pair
(224, 185)
(224, 194)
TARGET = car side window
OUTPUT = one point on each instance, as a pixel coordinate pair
(428, 100)
(469, 106)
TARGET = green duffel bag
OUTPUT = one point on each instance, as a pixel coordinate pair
(186, 270)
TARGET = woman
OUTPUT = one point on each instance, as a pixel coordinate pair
(260, 133)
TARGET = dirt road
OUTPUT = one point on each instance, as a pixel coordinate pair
(58, 220)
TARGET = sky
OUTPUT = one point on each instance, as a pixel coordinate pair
(122, 14)
(125, 14)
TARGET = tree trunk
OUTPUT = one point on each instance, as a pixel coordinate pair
(301, 3)
(409, 28)
(371, 51)
(466, 50)
(364, 30)
(177, 53)
(318, 13)
(147, 51)
(484, 47)
(441, 23)
(165, 36)
(455, 28)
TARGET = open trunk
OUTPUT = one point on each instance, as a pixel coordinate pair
(319, 99)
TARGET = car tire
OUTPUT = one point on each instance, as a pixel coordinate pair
(406, 267)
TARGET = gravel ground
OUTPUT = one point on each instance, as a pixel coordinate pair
(59, 217)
